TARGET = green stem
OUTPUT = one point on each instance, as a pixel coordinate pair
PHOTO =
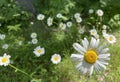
(20, 70)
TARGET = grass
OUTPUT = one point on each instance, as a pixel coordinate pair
(42, 68)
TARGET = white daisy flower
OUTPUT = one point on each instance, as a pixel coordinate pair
(91, 56)
(2, 36)
(79, 20)
(20, 43)
(93, 32)
(104, 27)
(99, 12)
(81, 30)
(31, 23)
(59, 15)
(56, 58)
(69, 24)
(105, 35)
(111, 39)
(91, 11)
(50, 21)
(34, 41)
(33, 35)
(5, 46)
(62, 26)
(104, 31)
(96, 36)
(40, 16)
(5, 60)
(76, 15)
(38, 51)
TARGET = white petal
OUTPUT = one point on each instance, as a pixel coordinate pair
(76, 56)
(79, 48)
(84, 44)
(104, 50)
(103, 55)
(79, 66)
(91, 70)
(101, 65)
(97, 43)
(92, 42)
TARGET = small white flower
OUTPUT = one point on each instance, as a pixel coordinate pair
(56, 58)
(104, 31)
(38, 51)
(34, 41)
(49, 21)
(69, 24)
(105, 35)
(90, 56)
(91, 11)
(40, 17)
(104, 27)
(5, 60)
(99, 12)
(31, 23)
(20, 43)
(33, 35)
(59, 15)
(76, 15)
(96, 36)
(93, 32)
(62, 26)
(79, 20)
(2, 36)
(111, 39)
(81, 30)
(5, 46)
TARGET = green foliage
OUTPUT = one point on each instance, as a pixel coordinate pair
(15, 23)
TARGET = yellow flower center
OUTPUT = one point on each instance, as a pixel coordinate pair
(56, 58)
(111, 39)
(92, 33)
(90, 56)
(39, 51)
(4, 60)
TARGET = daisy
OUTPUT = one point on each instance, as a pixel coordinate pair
(56, 58)
(62, 26)
(79, 20)
(59, 15)
(99, 12)
(69, 24)
(34, 41)
(90, 56)
(111, 39)
(93, 32)
(2, 36)
(33, 35)
(76, 15)
(40, 16)
(104, 27)
(5, 46)
(91, 11)
(81, 30)
(5, 60)
(38, 51)
(50, 21)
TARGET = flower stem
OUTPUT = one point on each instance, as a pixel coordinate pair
(20, 70)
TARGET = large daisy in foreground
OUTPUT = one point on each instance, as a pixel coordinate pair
(91, 56)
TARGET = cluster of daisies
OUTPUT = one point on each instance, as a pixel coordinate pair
(34, 38)
(39, 51)
(109, 37)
